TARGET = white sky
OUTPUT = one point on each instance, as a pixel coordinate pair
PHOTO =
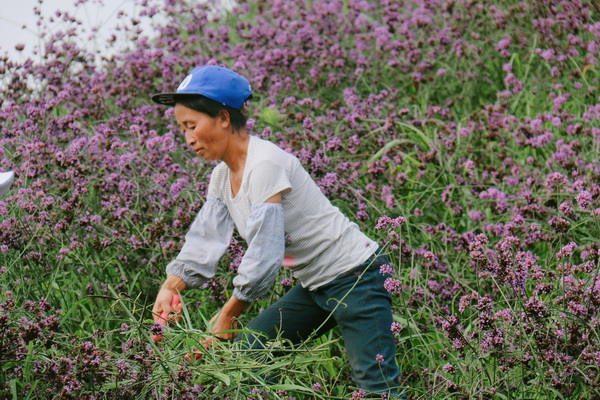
(18, 22)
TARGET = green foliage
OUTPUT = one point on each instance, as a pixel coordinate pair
(432, 121)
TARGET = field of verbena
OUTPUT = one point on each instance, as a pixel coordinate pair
(463, 136)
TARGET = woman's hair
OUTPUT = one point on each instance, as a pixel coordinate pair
(211, 107)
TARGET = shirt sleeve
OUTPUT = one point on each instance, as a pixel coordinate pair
(205, 243)
(266, 246)
(266, 180)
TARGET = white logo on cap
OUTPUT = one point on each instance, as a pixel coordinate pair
(185, 82)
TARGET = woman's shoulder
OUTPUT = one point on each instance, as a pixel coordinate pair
(264, 150)
(218, 180)
(219, 172)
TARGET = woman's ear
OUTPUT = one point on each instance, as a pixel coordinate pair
(224, 118)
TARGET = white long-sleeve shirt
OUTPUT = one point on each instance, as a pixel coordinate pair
(305, 232)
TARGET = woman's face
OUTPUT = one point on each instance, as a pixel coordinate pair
(208, 136)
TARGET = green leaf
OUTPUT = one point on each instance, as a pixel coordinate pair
(292, 387)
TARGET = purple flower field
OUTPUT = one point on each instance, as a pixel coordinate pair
(463, 136)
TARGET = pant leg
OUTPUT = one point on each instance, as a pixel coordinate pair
(363, 313)
(295, 317)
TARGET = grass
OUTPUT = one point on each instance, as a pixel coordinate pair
(89, 226)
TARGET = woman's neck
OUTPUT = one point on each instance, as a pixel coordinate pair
(238, 151)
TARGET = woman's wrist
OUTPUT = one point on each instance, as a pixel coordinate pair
(234, 307)
(174, 284)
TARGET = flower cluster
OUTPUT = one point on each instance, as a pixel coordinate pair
(479, 121)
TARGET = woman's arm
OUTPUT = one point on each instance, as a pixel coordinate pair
(205, 243)
(263, 257)
(254, 270)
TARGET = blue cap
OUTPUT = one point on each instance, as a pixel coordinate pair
(216, 83)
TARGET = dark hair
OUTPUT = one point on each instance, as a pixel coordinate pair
(212, 108)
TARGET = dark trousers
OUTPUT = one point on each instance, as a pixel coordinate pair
(358, 303)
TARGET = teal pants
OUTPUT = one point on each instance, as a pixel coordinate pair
(357, 302)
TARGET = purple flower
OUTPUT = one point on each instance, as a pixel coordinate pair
(449, 368)
(385, 222)
(287, 282)
(396, 328)
(476, 215)
(503, 44)
(379, 358)
(559, 224)
(358, 394)
(477, 247)
(556, 179)
(177, 187)
(566, 251)
(536, 308)
(392, 285)
(157, 329)
(547, 54)
(386, 269)
(566, 208)
(558, 101)
(388, 196)
(505, 314)
(584, 199)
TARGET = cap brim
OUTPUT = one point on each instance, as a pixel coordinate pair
(167, 99)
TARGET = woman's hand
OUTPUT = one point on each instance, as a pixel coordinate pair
(221, 322)
(227, 319)
(162, 305)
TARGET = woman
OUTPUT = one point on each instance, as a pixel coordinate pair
(285, 219)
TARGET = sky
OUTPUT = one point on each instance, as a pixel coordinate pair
(18, 21)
